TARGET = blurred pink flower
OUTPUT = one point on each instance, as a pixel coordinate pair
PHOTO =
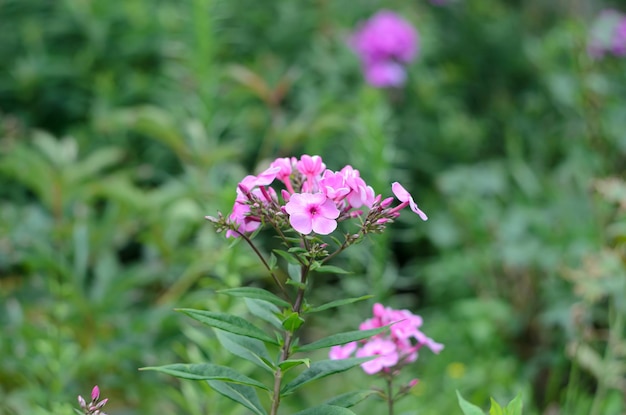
(383, 43)
(608, 34)
(342, 352)
(384, 349)
(312, 212)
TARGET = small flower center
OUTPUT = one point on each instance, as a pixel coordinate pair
(313, 210)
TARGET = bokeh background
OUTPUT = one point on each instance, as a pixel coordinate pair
(123, 123)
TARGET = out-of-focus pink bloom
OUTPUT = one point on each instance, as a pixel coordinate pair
(312, 212)
(240, 216)
(405, 197)
(385, 36)
(342, 352)
(385, 74)
(399, 346)
(384, 349)
(608, 34)
(384, 43)
(360, 193)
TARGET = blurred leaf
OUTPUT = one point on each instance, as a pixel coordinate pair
(468, 408)
(515, 406)
(326, 410)
(320, 370)
(229, 323)
(257, 293)
(341, 338)
(337, 303)
(206, 371)
(350, 399)
(245, 395)
(247, 348)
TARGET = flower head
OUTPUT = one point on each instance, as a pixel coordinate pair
(395, 348)
(385, 43)
(94, 407)
(405, 197)
(608, 34)
(312, 212)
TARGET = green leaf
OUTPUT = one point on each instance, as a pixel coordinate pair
(291, 259)
(229, 323)
(252, 350)
(321, 369)
(341, 338)
(242, 394)
(337, 303)
(495, 409)
(293, 322)
(272, 261)
(331, 269)
(206, 371)
(350, 399)
(326, 410)
(285, 365)
(468, 408)
(264, 310)
(516, 406)
(258, 293)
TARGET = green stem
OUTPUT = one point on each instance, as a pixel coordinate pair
(390, 394)
(286, 348)
(267, 266)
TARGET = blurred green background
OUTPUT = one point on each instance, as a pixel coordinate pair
(123, 123)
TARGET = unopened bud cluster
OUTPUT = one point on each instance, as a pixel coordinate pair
(94, 407)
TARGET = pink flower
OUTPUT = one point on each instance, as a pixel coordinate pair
(342, 352)
(333, 185)
(360, 193)
(385, 36)
(385, 74)
(312, 212)
(608, 34)
(384, 43)
(384, 349)
(406, 198)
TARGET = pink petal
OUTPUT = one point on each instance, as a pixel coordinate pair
(301, 222)
(329, 210)
(322, 226)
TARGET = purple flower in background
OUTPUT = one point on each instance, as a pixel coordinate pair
(384, 43)
(608, 34)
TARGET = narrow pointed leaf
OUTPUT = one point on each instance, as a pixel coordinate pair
(350, 399)
(468, 408)
(242, 394)
(326, 410)
(252, 350)
(229, 323)
(258, 293)
(341, 338)
(285, 365)
(331, 269)
(516, 406)
(337, 303)
(290, 258)
(495, 409)
(264, 310)
(206, 371)
(321, 369)
(293, 322)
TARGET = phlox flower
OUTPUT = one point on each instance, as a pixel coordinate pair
(360, 193)
(342, 351)
(384, 43)
(384, 349)
(312, 212)
(406, 198)
(333, 185)
(608, 34)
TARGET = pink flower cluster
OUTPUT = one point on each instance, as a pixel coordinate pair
(394, 349)
(608, 35)
(385, 43)
(93, 407)
(311, 198)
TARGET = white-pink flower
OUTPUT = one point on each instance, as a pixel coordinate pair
(384, 349)
(405, 197)
(342, 352)
(312, 212)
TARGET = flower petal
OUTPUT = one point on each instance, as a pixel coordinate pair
(301, 222)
